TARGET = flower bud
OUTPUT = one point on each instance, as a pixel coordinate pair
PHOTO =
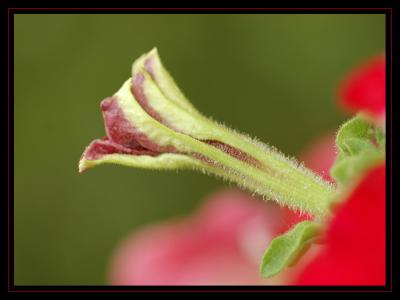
(149, 123)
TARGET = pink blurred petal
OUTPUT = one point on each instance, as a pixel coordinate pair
(220, 244)
(320, 155)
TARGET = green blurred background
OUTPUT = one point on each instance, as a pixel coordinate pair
(272, 76)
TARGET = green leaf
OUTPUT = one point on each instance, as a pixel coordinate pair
(360, 145)
(286, 249)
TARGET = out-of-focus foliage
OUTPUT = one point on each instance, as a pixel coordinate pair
(279, 72)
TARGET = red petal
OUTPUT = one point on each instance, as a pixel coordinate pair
(354, 253)
(220, 244)
(365, 88)
(320, 155)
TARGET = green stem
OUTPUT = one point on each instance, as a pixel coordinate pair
(280, 179)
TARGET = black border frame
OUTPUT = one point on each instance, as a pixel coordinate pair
(381, 7)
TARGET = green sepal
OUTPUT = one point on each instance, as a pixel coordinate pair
(287, 248)
(360, 146)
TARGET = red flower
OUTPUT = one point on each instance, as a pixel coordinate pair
(365, 88)
(354, 253)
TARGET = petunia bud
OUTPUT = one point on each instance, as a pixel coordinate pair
(150, 124)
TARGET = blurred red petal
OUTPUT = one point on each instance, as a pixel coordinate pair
(364, 89)
(221, 244)
(320, 155)
(354, 253)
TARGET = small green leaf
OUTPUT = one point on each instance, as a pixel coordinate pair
(353, 134)
(360, 146)
(286, 249)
